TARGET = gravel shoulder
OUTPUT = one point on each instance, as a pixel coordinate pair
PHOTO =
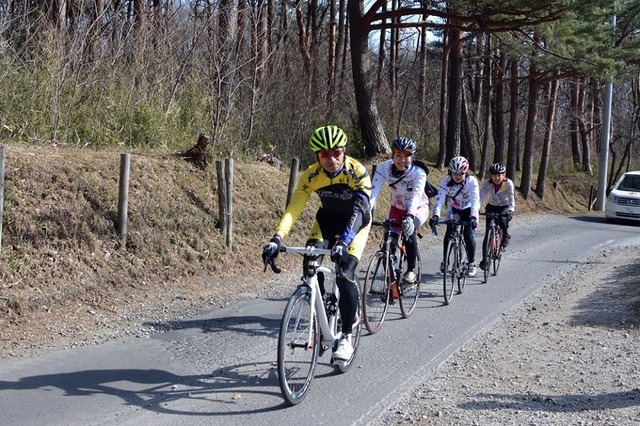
(567, 355)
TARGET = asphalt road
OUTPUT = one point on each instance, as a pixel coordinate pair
(220, 369)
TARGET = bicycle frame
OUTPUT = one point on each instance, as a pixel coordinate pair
(327, 325)
(385, 247)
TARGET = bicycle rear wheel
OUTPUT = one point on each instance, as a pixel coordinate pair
(463, 266)
(375, 293)
(409, 292)
(449, 275)
(298, 346)
(356, 333)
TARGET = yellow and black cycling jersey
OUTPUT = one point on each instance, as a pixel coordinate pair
(344, 197)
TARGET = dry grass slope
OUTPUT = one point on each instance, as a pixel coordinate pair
(60, 252)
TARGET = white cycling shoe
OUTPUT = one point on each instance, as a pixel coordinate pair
(472, 270)
(344, 351)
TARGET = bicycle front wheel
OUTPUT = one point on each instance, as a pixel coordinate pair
(449, 276)
(496, 251)
(409, 292)
(298, 347)
(488, 259)
(375, 293)
(496, 258)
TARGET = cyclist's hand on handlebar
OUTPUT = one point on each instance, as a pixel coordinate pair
(474, 222)
(407, 225)
(433, 221)
(339, 251)
(272, 249)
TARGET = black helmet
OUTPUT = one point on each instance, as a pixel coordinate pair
(497, 168)
(404, 143)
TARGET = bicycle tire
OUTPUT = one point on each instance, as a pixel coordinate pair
(375, 293)
(409, 293)
(497, 258)
(356, 333)
(463, 266)
(449, 275)
(296, 358)
(488, 258)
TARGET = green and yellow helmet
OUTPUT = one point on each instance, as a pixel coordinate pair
(326, 138)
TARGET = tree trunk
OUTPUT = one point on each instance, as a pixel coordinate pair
(573, 121)
(466, 139)
(454, 123)
(442, 148)
(529, 134)
(584, 136)
(373, 135)
(486, 135)
(548, 135)
(422, 79)
(498, 109)
(512, 147)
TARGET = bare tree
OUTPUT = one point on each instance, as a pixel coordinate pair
(454, 123)
(548, 135)
(529, 134)
(373, 136)
(514, 124)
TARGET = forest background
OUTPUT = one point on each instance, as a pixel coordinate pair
(521, 82)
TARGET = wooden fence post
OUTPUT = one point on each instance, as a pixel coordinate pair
(228, 169)
(222, 198)
(3, 159)
(293, 179)
(123, 195)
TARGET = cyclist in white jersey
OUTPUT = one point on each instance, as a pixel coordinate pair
(502, 201)
(409, 203)
(460, 191)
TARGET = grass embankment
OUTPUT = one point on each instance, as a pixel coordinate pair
(60, 249)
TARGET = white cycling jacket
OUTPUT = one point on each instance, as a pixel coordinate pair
(501, 196)
(460, 196)
(407, 194)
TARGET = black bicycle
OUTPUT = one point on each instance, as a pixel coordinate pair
(383, 283)
(492, 248)
(456, 264)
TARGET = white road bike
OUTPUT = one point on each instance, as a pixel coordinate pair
(311, 325)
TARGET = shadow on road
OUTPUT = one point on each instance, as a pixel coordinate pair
(164, 392)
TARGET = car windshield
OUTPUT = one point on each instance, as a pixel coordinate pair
(630, 183)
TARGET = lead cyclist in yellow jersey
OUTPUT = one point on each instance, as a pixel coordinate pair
(342, 222)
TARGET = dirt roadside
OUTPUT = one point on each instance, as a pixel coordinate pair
(567, 355)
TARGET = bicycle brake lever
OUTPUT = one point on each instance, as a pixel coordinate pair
(274, 268)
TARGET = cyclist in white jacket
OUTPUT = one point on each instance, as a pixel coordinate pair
(502, 202)
(409, 203)
(460, 191)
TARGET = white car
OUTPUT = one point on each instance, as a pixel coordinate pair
(624, 200)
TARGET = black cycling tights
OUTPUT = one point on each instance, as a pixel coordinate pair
(467, 233)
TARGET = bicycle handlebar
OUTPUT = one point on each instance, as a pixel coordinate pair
(307, 251)
(490, 214)
(434, 228)
(386, 223)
